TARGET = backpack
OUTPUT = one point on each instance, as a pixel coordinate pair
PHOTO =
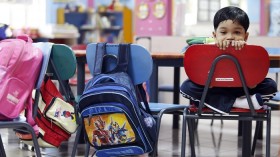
(20, 64)
(55, 118)
(115, 114)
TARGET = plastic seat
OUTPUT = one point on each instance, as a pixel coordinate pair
(62, 68)
(207, 65)
(20, 122)
(139, 69)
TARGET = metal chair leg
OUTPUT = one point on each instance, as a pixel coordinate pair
(257, 131)
(246, 138)
(87, 149)
(268, 133)
(2, 150)
(191, 136)
(184, 131)
(79, 129)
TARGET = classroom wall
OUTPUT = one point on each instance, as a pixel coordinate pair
(202, 29)
(51, 7)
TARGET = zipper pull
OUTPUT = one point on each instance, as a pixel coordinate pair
(89, 118)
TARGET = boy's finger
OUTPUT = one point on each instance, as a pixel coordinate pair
(236, 46)
(224, 46)
(219, 44)
(227, 43)
(239, 45)
(232, 43)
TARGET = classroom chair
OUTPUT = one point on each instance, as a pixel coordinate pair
(139, 69)
(62, 67)
(209, 66)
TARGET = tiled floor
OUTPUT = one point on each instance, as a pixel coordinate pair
(214, 141)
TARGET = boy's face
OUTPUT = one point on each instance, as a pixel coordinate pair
(229, 30)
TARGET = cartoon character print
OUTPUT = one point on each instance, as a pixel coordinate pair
(57, 112)
(100, 134)
(119, 134)
(68, 114)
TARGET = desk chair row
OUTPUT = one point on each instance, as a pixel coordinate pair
(158, 109)
(59, 63)
(191, 112)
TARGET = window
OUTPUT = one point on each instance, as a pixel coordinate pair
(234, 3)
(207, 9)
(23, 13)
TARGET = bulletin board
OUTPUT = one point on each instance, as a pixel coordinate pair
(153, 17)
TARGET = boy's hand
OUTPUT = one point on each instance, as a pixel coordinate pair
(238, 45)
(223, 44)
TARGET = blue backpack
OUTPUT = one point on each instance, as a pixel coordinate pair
(115, 113)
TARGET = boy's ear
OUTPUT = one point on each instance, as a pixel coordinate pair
(214, 34)
(246, 36)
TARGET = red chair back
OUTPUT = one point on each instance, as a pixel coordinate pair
(254, 62)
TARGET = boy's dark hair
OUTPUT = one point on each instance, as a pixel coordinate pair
(231, 13)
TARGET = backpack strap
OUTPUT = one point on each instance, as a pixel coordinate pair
(123, 58)
(101, 57)
(141, 94)
(100, 52)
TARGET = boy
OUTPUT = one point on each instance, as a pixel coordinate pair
(230, 29)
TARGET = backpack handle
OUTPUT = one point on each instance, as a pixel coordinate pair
(123, 58)
(101, 56)
(25, 37)
(100, 51)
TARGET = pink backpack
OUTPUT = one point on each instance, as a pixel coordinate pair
(20, 64)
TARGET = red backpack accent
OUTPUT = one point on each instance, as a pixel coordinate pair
(51, 134)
